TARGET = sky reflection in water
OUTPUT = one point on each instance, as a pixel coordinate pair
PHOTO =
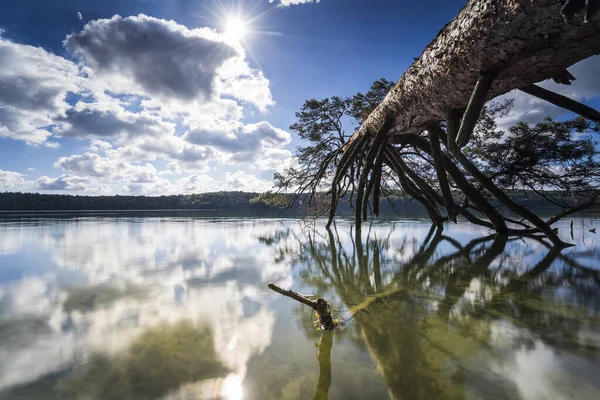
(112, 307)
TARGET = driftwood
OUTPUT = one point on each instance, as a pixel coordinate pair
(491, 47)
(323, 308)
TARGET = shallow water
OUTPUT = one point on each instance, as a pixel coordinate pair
(178, 307)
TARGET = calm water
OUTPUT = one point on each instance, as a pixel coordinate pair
(178, 307)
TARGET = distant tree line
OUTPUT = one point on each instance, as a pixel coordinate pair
(238, 201)
(234, 202)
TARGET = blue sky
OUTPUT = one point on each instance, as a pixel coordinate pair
(164, 96)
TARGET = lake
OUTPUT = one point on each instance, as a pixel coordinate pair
(177, 307)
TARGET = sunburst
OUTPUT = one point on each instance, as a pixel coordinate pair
(236, 29)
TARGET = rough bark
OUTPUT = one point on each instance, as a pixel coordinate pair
(489, 48)
(434, 139)
(521, 41)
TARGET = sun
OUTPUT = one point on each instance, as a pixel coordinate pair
(236, 29)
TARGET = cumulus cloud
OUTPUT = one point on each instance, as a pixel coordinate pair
(91, 165)
(240, 81)
(162, 57)
(9, 179)
(247, 183)
(197, 183)
(130, 73)
(140, 90)
(275, 159)
(33, 88)
(532, 110)
(286, 3)
(63, 182)
(110, 120)
(241, 143)
(98, 146)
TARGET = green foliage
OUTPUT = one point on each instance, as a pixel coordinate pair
(551, 158)
(320, 120)
(271, 199)
(363, 104)
(218, 201)
(320, 123)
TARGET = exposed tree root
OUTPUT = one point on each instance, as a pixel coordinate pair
(489, 48)
(562, 101)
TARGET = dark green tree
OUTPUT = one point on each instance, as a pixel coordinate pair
(322, 125)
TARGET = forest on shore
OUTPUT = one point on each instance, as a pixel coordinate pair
(239, 202)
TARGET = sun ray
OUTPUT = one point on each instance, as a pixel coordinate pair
(236, 29)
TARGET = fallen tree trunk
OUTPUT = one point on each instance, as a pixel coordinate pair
(489, 48)
(520, 41)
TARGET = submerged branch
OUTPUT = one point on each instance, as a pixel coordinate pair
(323, 308)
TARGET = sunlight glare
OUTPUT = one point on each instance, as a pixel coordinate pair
(232, 388)
(236, 29)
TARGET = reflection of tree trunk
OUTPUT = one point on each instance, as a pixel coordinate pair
(363, 268)
(377, 269)
(324, 357)
(461, 279)
(516, 285)
(404, 332)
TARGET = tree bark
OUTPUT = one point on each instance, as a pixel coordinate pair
(520, 41)
(488, 49)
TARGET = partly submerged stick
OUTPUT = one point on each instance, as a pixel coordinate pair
(322, 307)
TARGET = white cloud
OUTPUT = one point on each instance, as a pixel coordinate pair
(240, 81)
(143, 92)
(247, 183)
(196, 183)
(160, 57)
(180, 69)
(33, 87)
(98, 146)
(63, 182)
(287, 3)
(238, 142)
(10, 180)
(532, 110)
(104, 120)
(79, 16)
(108, 170)
(93, 165)
(275, 159)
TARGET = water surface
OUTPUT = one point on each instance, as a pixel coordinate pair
(178, 307)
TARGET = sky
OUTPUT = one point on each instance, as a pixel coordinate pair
(153, 97)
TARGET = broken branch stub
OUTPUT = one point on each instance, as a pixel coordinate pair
(323, 308)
